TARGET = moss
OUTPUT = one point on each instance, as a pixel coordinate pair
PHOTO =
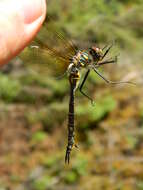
(9, 88)
(38, 136)
(97, 112)
(71, 177)
(43, 183)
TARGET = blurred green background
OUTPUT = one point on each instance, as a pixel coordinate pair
(34, 108)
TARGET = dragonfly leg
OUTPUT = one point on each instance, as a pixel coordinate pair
(107, 51)
(81, 87)
(109, 81)
(104, 47)
(110, 61)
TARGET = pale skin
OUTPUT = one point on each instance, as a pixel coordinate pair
(20, 20)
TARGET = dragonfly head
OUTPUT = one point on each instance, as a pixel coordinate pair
(96, 53)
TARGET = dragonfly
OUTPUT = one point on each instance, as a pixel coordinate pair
(72, 60)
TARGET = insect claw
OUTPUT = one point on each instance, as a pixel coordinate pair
(67, 157)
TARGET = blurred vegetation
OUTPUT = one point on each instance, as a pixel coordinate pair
(34, 107)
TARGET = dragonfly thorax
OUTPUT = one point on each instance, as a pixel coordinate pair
(81, 59)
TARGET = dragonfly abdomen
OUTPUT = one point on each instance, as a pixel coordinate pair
(70, 126)
(73, 79)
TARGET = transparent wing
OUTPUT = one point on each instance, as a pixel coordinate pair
(51, 51)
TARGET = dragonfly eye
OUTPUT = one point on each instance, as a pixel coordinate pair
(96, 53)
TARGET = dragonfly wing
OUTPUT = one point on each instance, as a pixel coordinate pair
(51, 51)
(44, 60)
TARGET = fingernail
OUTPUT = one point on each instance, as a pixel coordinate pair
(32, 10)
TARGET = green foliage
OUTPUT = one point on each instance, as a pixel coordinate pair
(95, 20)
(38, 116)
(132, 141)
(79, 169)
(140, 185)
(50, 161)
(59, 87)
(43, 183)
(94, 79)
(80, 165)
(141, 113)
(46, 115)
(15, 178)
(89, 113)
(38, 136)
(71, 177)
(9, 88)
(54, 85)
